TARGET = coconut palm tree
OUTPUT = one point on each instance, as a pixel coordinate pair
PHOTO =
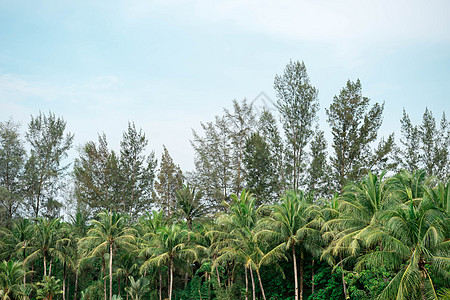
(149, 226)
(48, 288)
(292, 226)
(231, 228)
(415, 246)
(126, 267)
(168, 247)
(79, 230)
(17, 241)
(188, 205)
(138, 288)
(68, 249)
(361, 206)
(11, 274)
(360, 209)
(410, 185)
(107, 234)
(45, 243)
(237, 239)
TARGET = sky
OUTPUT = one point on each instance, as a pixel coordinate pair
(169, 65)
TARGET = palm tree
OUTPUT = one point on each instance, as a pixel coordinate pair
(17, 241)
(149, 226)
(108, 233)
(292, 225)
(79, 230)
(232, 228)
(237, 239)
(168, 246)
(11, 274)
(45, 242)
(49, 288)
(415, 245)
(188, 205)
(360, 208)
(408, 186)
(67, 247)
(126, 267)
(138, 288)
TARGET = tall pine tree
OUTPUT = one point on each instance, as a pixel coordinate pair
(298, 105)
(97, 178)
(44, 170)
(137, 171)
(12, 161)
(170, 180)
(354, 127)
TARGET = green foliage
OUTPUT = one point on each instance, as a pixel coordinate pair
(188, 205)
(94, 291)
(105, 180)
(261, 174)
(137, 288)
(11, 279)
(48, 288)
(425, 146)
(219, 153)
(170, 180)
(12, 158)
(43, 171)
(137, 172)
(318, 174)
(367, 284)
(298, 105)
(328, 284)
(96, 175)
(354, 128)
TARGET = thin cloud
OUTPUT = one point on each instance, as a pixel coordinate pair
(313, 20)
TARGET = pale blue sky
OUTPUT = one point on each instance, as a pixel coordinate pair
(167, 65)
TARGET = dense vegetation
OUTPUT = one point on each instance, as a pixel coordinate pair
(265, 215)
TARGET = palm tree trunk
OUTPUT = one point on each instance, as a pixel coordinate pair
(253, 283)
(160, 285)
(294, 259)
(422, 289)
(45, 266)
(218, 276)
(64, 281)
(104, 278)
(312, 278)
(171, 278)
(50, 268)
(229, 276)
(344, 285)
(24, 273)
(208, 281)
(64, 289)
(301, 276)
(126, 285)
(246, 283)
(260, 284)
(232, 273)
(76, 284)
(110, 270)
(68, 288)
(118, 283)
(186, 275)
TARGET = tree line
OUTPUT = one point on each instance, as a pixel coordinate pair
(382, 238)
(223, 221)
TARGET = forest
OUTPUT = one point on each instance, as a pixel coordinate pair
(272, 210)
